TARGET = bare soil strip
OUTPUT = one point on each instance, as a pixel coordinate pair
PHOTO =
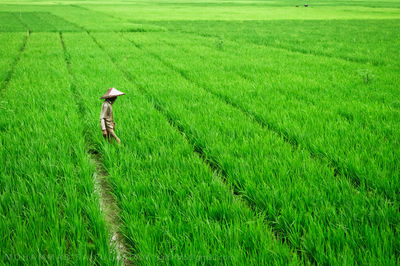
(109, 208)
(108, 204)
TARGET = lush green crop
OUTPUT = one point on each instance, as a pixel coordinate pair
(168, 197)
(294, 190)
(10, 22)
(350, 133)
(253, 132)
(238, 10)
(49, 211)
(10, 47)
(373, 42)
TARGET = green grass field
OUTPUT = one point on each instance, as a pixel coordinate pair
(253, 132)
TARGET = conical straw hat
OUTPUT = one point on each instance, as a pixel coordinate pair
(112, 92)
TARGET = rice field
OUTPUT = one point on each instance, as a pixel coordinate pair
(253, 132)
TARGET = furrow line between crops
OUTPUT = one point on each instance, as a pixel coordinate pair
(340, 171)
(108, 204)
(209, 162)
(14, 64)
(196, 148)
(294, 50)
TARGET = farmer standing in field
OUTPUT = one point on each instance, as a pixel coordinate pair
(106, 115)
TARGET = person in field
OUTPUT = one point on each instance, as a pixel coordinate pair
(106, 115)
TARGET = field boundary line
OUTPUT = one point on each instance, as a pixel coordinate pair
(14, 64)
(318, 156)
(210, 162)
(102, 187)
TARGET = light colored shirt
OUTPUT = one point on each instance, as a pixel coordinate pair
(106, 116)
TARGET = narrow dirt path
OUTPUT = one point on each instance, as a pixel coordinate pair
(110, 209)
(108, 204)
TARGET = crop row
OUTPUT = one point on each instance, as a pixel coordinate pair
(368, 41)
(241, 12)
(322, 216)
(45, 22)
(110, 22)
(34, 21)
(95, 21)
(174, 208)
(10, 47)
(9, 22)
(316, 102)
(49, 211)
(65, 18)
